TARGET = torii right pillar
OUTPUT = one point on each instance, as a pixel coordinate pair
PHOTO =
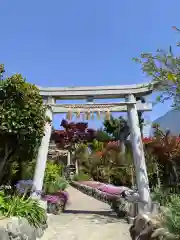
(138, 155)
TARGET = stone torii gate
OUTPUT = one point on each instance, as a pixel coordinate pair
(129, 92)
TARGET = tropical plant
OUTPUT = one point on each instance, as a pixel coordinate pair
(171, 218)
(59, 184)
(53, 182)
(21, 206)
(51, 172)
(166, 149)
(161, 195)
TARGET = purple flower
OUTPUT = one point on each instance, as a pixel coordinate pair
(51, 198)
(63, 195)
(25, 182)
(23, 186)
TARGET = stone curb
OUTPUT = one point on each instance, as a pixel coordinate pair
(119, 205)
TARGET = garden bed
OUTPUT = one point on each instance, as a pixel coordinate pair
(56, 202)
(106, 193)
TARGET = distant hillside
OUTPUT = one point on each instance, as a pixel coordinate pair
(170, 121)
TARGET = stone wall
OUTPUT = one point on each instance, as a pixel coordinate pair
(19, 229)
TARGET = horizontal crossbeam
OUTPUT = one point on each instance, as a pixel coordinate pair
(97, 92)
(96, 107)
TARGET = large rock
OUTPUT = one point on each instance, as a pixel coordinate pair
(3, 234)
(148, 227)
(19, 229)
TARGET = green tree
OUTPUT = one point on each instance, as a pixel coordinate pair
(117, 127)
(2, 70)
(163, 69)
(22, 120)
(103, 136)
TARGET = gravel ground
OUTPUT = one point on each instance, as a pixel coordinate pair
(86, 219)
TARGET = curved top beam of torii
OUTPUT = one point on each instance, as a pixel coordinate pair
(97, 92)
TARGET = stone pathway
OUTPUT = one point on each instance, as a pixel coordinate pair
(86, 219)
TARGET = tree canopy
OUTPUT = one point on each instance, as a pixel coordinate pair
(22, 119)
(163, 68)
(117, 127)
(72, 134)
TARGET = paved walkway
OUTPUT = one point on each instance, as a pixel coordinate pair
(86, 219)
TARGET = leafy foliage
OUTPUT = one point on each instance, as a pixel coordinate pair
(172, 217)
(81, 177)
(2, 71)
(72, 134)
(103, 136)
(162, 196)
(163, 68)
(117, 127)
(20, 206)
(53, 182)
(166, 148)
(22, 121)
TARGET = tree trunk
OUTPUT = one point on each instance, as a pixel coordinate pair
(7, 156)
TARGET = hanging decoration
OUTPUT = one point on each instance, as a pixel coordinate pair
(98, 115)
(83, 116)
(88, 111)
(108, 115)
(92, 116)
(69, 115)
(88, 115)
(78, 114)
(103, 115)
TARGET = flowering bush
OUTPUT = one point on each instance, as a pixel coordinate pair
(24, 186)
(112, 189)
(56, 203)
(108, 188)
(93, 184)
(56, 200)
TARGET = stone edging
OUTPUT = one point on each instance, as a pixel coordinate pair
(118, 204)
(19, 228)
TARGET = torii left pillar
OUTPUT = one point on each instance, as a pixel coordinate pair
(43, 153)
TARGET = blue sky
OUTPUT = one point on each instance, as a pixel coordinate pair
(78, 42)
